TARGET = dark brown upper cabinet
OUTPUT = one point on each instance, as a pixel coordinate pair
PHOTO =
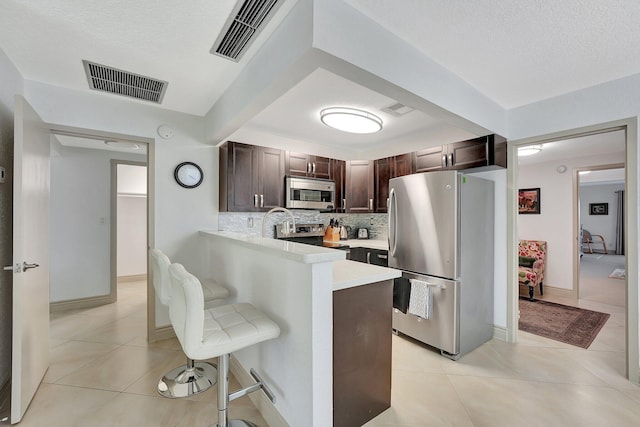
(385, 169)
(338, 173)
(300, 164)
(490, 150)
(251, 178)
(359, 186)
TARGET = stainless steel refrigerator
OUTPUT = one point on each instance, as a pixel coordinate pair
(441, 232)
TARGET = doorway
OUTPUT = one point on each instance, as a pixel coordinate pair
(83, 212)
(600, 223)
(128, 223)
(629, 128)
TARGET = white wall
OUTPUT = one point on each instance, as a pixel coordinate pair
(11, 83)
(499, 177)
(179, 212)
(555, 222)
(605, 225)
(80, 221)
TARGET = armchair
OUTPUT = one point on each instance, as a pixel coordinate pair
(532, 255)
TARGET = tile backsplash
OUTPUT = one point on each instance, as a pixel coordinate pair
(251, 222)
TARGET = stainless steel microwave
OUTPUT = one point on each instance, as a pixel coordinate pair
(310, 193)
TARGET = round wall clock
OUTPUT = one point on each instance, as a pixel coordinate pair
(188, 175)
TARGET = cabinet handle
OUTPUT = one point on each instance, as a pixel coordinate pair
(344, 204)
(308, 167)
(444, 160)
(383, 256)
(255, 200)
(262, 200)
(368, 257)
(313, 168)
(370, 204)
(451, 159)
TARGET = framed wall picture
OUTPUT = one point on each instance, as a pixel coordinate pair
(598, 208)
(529, 201)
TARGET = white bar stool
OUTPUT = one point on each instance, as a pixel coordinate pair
(194, 377)
(217, 332)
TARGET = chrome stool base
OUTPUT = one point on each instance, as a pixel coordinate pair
(186, 380)
(236, 423)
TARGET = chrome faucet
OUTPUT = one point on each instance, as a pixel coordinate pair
(277, 209)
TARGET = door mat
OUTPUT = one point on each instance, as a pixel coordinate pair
(570, 325)
(618, 273)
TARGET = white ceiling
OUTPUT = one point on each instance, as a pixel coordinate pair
(515, 52)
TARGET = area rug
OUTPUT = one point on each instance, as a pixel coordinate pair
(571, 325)
(618, 273)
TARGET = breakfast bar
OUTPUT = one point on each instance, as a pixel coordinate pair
(318, 298)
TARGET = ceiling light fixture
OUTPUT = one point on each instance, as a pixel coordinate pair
(123, 144)
(530, 150)
(351, 120)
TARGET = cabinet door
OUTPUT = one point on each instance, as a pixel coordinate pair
(358, 254)
(338, 172)
(468, 154)
(402, 165)
(430, 159)
(298, 164)
(242, 178)
(377, 257)
(320, 167)
(359, 186)
(271, 182)
(382, 173)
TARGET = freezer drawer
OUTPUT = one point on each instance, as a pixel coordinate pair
(442, 329)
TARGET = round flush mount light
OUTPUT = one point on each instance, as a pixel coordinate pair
(561, 169)
(123, 144)
(529, 150)
(351, 120)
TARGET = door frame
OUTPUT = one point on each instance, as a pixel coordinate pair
(150, 143)
(630, 125)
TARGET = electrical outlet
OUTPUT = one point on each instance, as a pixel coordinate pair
(250, 222)
(371, 221)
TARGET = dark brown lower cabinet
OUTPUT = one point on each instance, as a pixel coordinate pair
(361, 353)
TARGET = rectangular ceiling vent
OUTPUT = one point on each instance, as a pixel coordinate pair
(244, 24)
(397, 109)
(112, 80)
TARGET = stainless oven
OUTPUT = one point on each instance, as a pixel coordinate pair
(309, 193)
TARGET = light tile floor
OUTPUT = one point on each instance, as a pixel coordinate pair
(536, 382)
(103, 373)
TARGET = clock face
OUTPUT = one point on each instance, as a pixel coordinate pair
(188, 175)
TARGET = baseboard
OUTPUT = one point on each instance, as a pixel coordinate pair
(552, 291)
(500, 333)
(134, 278)
(262, 402)
(161, 333)
(80, 303)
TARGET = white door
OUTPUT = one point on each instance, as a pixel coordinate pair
(30, 352)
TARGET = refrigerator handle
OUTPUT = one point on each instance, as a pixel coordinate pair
(392, 223)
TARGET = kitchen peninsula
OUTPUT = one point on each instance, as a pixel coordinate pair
(299, 286)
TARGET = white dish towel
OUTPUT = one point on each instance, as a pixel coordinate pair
(421, 299)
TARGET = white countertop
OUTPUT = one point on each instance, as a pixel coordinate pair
(306, 254)
(348, 274)
(367, 243)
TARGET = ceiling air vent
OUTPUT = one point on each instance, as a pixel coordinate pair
(112, 80)
(397, 109)
(242, 27)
